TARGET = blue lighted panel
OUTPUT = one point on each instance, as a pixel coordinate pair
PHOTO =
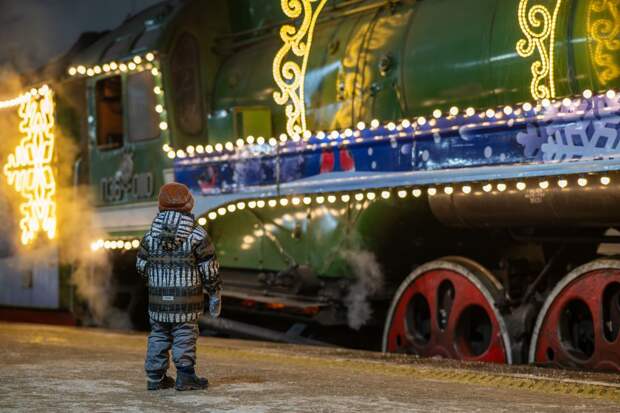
(555, 141)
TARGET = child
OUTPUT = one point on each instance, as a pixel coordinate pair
(178, 260)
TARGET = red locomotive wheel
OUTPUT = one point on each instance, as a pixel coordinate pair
(447, 308)
(579, 322)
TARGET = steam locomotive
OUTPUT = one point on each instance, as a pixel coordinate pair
(444, 169)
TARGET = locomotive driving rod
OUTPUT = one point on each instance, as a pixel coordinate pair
(231, 326)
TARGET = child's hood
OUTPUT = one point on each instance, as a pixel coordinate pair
(172, 228)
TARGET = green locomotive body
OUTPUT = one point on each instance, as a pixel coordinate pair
(184, 75)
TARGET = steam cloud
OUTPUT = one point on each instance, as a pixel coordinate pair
(77, 225)
(369, 282)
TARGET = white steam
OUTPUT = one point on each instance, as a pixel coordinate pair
(369, 282)
(77, 226)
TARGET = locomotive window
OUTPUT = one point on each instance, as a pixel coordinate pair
(109, 113)
(143, 120)
(186, 89)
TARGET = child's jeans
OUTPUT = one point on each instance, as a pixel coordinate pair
(181, 337)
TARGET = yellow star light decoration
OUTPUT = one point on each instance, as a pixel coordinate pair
(29, 168)
(289, 75)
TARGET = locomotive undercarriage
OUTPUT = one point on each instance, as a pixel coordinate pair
(540, 294)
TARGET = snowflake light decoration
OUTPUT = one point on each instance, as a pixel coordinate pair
(29, 168)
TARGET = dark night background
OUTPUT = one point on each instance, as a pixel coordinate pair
(35, 31)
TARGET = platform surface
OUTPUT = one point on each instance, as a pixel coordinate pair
(68, 369)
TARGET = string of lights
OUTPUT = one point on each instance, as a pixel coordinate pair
(20, 99)
(136, 63)
(438, 122)
(415, 192)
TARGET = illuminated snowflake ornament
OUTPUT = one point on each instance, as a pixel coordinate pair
(29, 168)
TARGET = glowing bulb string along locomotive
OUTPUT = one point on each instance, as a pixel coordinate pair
(379, 163)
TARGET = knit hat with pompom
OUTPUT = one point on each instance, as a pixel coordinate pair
(175, 197)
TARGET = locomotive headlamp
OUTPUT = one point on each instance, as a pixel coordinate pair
(582, 182)
(605, 180)
(543, 184)
(562, 183)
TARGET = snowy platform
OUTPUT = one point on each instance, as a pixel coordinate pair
(68, 369)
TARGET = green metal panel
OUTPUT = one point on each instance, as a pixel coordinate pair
(108, 168)
(383, 62)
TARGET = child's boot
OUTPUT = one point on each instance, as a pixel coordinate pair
(159, 381)
(187, 380)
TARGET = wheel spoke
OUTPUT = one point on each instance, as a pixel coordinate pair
(577, 326)
(444, 312)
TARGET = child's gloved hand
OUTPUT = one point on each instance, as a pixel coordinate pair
(215, 302)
